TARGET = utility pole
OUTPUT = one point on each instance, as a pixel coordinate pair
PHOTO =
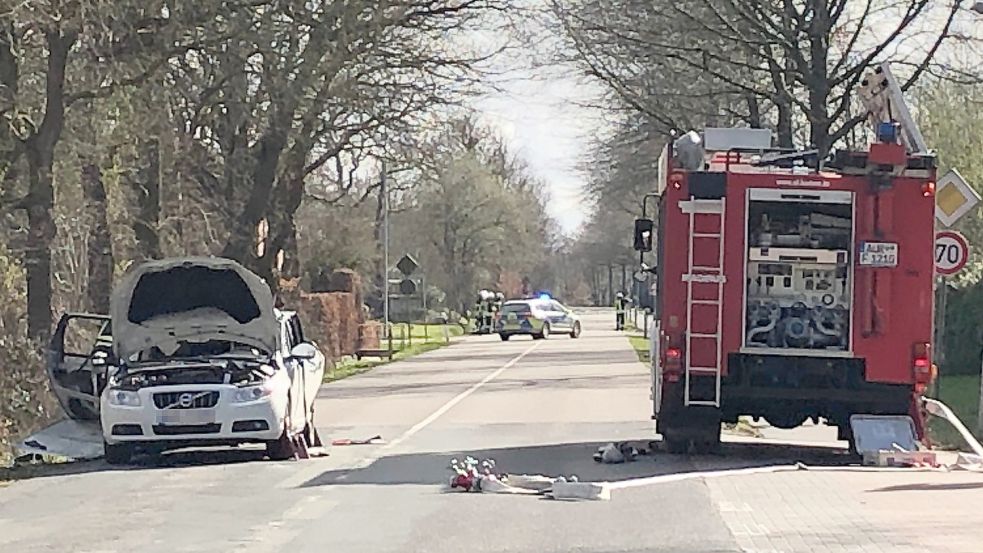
(384, 190)
(979, 415)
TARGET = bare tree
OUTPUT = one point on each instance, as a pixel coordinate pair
(773, 63)
(54, 56)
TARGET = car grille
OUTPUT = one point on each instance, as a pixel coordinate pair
(174, 430)
(192, 400)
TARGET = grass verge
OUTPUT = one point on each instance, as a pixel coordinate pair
(641, 346)
(406, 343)
(961, 393)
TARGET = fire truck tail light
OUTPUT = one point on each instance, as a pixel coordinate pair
(928, 189)
(673, 353)
(922, 363)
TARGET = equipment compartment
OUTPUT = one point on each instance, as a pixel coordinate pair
(797, 294)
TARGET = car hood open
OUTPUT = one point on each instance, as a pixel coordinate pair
(193, 299)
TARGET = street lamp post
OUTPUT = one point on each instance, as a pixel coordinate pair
(384, 190)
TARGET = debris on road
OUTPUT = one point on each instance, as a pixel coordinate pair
(889, 441)
(474, 476)
(615, 453)
(367, 441)
(68, 439)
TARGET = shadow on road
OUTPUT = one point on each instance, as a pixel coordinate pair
(931, 487)
(431, 468)
(175, 459)
(501, 384)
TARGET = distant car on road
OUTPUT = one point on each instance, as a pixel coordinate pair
(537, 317)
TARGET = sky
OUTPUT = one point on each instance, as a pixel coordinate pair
(539, 109)
(540, 113)
(545, 126)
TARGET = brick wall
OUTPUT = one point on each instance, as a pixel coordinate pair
(333, 318)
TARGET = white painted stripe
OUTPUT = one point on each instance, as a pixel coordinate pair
(456, 399)
(316, 469)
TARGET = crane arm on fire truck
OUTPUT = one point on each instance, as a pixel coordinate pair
(882, 96)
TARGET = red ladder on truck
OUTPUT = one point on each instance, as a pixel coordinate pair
(711, 211)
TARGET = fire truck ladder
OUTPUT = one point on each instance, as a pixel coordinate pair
(713, 210)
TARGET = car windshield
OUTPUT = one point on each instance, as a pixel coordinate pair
(516, 308)
(503, 275)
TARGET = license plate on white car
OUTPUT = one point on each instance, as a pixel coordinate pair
(186, 416)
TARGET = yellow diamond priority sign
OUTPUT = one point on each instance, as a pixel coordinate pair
(954, 197)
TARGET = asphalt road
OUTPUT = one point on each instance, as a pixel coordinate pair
(535, 407)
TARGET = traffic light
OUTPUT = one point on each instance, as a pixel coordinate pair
(643, 235)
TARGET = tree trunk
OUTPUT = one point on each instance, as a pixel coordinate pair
(40, 200)
(241, 244)
(785, 135)
(380, 276)
(99, 252)
(40, 236)
(754, 111)
(147, 188)
(819, 87)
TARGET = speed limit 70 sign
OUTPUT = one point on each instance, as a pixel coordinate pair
(951, 252)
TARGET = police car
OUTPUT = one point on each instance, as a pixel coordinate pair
(538, 317)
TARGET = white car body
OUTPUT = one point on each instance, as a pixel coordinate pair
(200, 357)
(191, 414)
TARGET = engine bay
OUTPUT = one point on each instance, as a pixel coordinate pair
(235, 372)
(798, 288)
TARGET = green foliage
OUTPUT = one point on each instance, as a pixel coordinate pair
(474, 218)
(953, 125)
(25, 400)
(961, 394)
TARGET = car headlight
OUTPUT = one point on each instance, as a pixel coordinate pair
(251, 393)
(124, 398)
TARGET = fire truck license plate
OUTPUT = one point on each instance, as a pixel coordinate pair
(878, 254)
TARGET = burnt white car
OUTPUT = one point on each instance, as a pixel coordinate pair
(199, 357)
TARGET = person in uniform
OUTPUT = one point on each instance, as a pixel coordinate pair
(479, 312)
(620, 303)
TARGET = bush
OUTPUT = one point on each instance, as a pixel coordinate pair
(963, 331)
(26, 402)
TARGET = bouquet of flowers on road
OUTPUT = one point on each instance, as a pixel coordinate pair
(472, 475)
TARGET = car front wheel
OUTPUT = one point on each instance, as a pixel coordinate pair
(575, 333)
(280, 449)
(118, 454)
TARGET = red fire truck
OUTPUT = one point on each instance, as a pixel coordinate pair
(789, 287)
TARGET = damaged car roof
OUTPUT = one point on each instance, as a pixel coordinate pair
(161, 303)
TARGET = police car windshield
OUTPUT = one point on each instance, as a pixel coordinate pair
(516, 307)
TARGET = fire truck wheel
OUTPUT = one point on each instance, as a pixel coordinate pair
(676, 446)
(707, 445)
(504, 337)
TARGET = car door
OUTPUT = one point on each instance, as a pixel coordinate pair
(77, 360)
(313, 366)
(559, 317)
(295, 369)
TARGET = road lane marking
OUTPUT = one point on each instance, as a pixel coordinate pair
(304, 476)
(456, 399)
